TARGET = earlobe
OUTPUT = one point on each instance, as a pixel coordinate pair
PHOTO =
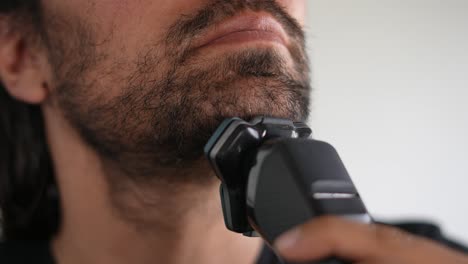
(23, 71)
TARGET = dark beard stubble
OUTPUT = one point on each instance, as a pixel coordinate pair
(164, 122)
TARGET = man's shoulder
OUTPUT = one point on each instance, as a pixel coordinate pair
(22, 252)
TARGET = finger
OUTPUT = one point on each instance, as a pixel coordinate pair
(333, 236)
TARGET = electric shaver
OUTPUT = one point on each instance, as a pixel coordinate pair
(275, 176)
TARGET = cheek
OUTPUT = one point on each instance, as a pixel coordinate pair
(127, 21)
(120, 30)
(296, 8)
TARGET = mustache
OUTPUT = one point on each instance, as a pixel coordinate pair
(216, 11)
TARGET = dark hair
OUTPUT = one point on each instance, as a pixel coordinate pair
(28, 199)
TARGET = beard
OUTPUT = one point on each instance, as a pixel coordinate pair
(160, 110)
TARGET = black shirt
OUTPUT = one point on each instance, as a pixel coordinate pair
(39, 252)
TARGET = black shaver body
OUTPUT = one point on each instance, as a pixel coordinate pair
(275, 177)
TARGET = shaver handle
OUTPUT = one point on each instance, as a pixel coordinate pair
(294, 181)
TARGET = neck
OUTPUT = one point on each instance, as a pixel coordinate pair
(131, 222)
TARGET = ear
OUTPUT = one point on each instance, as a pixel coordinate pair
(24, 70)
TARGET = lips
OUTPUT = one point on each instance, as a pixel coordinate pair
(251, 27)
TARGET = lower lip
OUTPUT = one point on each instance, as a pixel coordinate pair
(246, 37)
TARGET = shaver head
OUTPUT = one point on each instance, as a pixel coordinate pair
(231, 150)
(235, 138)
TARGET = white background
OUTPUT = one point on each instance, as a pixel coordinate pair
(391, 93)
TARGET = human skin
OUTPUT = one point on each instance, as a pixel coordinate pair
(153, 220)
(148, 221)
(361, 243)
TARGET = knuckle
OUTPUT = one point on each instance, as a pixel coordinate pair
(392, 237)
(385, 232)
(330, 221)
(327, 226)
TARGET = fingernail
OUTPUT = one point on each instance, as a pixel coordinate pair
(288, 240)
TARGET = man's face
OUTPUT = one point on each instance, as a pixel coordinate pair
(146, 82)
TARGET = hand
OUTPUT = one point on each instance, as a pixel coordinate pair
(361, 243)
